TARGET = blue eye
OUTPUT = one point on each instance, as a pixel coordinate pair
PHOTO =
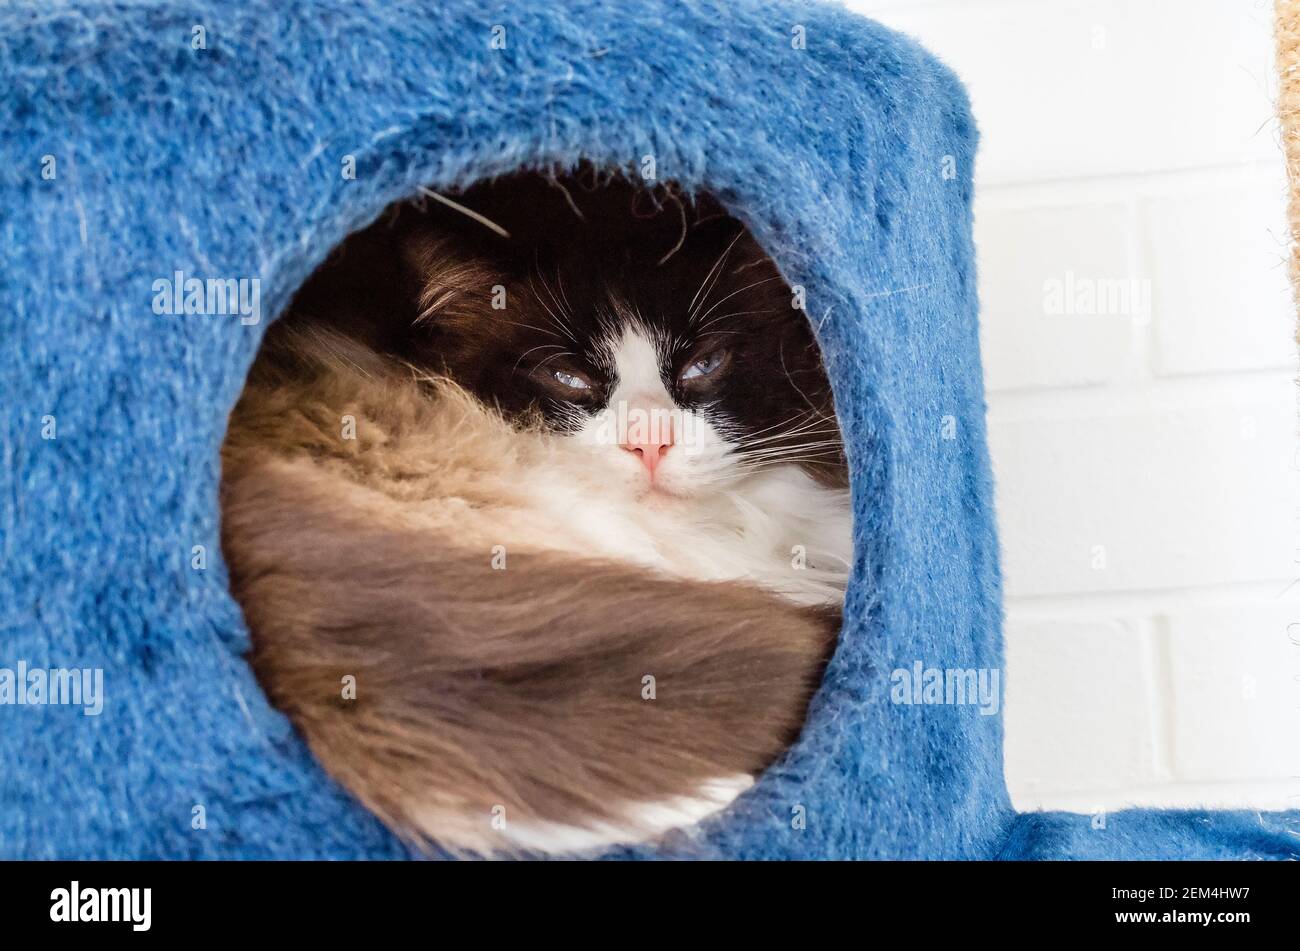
(703, 366)
(571, 380)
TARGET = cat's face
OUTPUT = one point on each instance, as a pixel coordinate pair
(670, 347)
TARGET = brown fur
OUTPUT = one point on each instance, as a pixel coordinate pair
(478, 688)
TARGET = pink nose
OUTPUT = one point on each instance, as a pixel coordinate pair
(650, 453)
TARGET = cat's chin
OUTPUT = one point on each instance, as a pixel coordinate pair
(675, 485)
(664, 494)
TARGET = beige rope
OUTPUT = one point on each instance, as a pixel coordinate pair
(1288, 67)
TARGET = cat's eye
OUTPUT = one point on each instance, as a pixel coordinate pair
(572, 380)
(704, 366)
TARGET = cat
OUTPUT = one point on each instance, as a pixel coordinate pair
(537, 509)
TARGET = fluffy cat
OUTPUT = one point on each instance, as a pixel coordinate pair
(582, 558)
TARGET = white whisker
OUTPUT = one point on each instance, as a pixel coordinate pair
(742, 290)
(714, 273)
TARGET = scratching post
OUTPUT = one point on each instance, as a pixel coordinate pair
(1288, 107)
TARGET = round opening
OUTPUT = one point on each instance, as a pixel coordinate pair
(537, 509)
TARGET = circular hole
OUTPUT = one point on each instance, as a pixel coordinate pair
(537, 509)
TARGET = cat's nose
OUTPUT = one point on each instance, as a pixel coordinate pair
(650, 452)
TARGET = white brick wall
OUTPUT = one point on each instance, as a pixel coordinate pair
(1138, 356)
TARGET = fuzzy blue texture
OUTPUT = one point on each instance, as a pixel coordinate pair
(851, 159)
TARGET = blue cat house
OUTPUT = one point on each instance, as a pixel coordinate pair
(152, 143)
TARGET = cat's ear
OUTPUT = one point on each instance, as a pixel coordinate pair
(451, 279)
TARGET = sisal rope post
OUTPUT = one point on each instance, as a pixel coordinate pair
(1288, 67)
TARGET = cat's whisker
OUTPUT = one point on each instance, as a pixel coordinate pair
(735, 313)
(777, 451)
(714, 273)
(809, 418)
(560, 325)
(746, 459)
(540, 330)
(721, 333)
(721, 301)
(753, 467)
(559, 280)
(823, 459)
(787, 456)
(767, 455)
(553, 356)
(783, 438)
(735, 431)
(808, 444)
(818, 424)
(565, 317)
(544, 346)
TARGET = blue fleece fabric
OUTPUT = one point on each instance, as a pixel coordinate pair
(851, 159)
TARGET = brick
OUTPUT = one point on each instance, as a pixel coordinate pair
(1103, 87)
(1037, 327)
(1078, 697)
(1235, 704)
(1220, 294)
(1136, 500)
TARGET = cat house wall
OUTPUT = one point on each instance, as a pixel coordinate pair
(150, 145)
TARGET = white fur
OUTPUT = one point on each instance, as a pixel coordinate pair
(643, 820)
(705, 516)
(776, 528)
